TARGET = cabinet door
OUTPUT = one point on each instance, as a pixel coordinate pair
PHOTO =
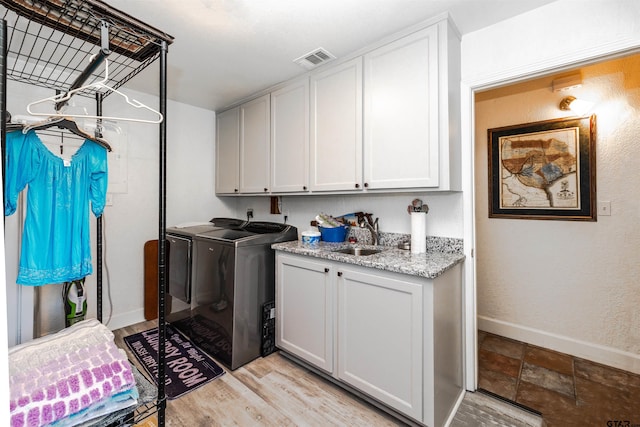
(401, 105)
(336, 128)
(304, 310)
(254, 145)
(227, 144)
(380, 338)
(290, 138)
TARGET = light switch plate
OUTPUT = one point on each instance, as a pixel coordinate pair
(604, 208)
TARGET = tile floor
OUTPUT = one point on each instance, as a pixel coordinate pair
(567, 390)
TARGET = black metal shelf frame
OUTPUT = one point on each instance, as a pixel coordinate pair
(50, 42)
(59, 45)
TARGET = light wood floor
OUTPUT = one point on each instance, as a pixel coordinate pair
(270, 391)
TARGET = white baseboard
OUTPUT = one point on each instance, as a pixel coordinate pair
(595, 352)
(454, 411)
(136, 316)
(124, 319)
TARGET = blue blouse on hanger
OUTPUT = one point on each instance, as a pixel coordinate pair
(56, 243)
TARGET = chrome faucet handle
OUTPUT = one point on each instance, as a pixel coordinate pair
(373, 229)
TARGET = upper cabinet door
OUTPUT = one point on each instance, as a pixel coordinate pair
(290, 138)
(401, 110)
(227, 144)
(336, 128)
(255, 133)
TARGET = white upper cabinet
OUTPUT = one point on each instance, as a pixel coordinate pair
(336, 128)
(290, 138)
(407, 114)
(255, 157)
(227, 146)
(401, 113)
(385, 120)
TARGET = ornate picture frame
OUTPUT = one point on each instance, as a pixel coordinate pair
(543, 170)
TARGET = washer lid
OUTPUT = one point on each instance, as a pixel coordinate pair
(228, 222)
(264, 227)
(229, 235)
(252, 233)
(191, 230)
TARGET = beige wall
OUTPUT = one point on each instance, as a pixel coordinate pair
(572, 286)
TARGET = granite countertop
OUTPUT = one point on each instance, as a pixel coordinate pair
(430, 264)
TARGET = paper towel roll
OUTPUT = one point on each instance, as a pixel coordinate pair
(418, 232)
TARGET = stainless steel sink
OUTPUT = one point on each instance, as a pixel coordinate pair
(358, 251)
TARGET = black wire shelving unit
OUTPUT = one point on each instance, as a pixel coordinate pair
(60, 45)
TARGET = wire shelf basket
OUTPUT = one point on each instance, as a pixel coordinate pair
(51, 43)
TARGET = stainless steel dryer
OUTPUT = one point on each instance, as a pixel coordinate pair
(234, 290)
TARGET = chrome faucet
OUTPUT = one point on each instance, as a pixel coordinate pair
(373, 229)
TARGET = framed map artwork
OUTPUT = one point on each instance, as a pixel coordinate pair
(543, 170)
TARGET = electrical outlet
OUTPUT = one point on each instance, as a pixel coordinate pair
(249, 213)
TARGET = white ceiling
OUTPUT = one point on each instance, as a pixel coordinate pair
(225, 50)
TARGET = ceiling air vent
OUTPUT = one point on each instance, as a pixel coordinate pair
(314, 58)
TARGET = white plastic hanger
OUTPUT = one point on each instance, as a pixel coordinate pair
(101, 84)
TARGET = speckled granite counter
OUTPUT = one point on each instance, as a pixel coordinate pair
(447, 253)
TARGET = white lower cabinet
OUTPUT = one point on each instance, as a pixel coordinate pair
(394, 337)
(380, 338)
(305, 293)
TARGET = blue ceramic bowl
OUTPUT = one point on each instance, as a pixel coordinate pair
(335, 234)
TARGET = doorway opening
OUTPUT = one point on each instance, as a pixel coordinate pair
(548, 291)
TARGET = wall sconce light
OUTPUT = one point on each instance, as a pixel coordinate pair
(565, 104)
(570, 103)
(578, 106)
